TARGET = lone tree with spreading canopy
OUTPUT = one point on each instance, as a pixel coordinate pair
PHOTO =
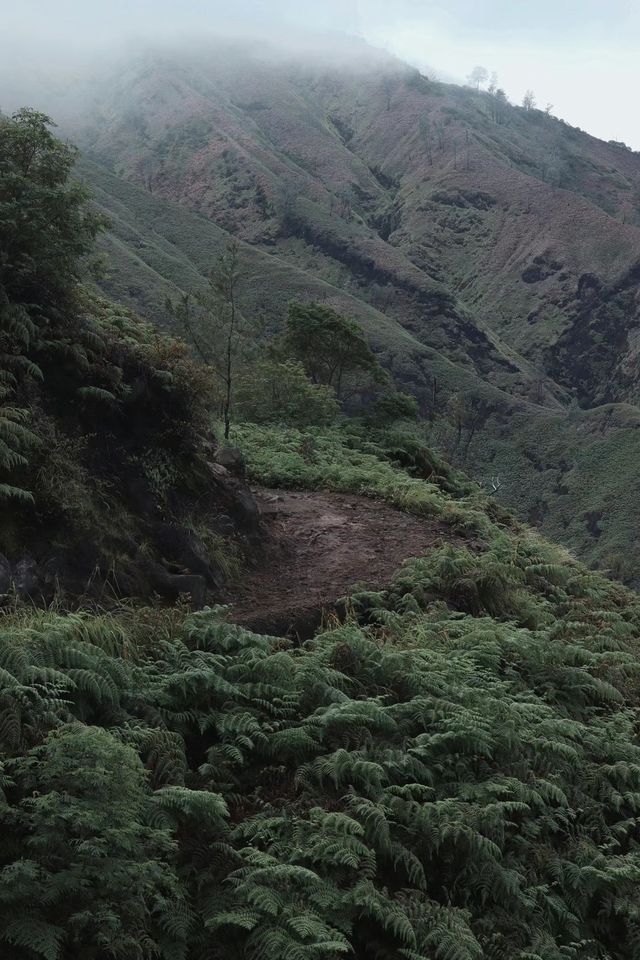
(331, 347)
(479, 75)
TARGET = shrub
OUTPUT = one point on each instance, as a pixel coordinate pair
(394, 405)
(273, 391)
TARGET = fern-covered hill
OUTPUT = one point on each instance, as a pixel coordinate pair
(452, 772)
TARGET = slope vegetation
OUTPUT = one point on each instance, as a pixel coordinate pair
(452, 771)
(450, 768)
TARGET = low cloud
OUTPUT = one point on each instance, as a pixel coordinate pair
(579, 55)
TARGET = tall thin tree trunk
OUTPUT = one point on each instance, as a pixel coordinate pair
(229, 377)
(227, 398)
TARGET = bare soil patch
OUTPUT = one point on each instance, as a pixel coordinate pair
(320, 546)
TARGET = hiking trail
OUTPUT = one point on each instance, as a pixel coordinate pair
(319, 546)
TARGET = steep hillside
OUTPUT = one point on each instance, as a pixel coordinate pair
(441, 762)
(379, 178)
(488, 251)
(107, 482)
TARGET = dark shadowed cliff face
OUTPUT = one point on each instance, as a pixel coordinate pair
(121, 491)
(597, 354)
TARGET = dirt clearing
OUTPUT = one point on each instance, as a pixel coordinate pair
(321, 545)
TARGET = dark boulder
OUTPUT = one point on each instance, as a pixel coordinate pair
(235, 501)
(182, 546)
(245, 511)
(231, 459)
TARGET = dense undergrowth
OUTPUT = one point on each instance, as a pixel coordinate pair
(105, 424)
(453, 772)
(353, 457)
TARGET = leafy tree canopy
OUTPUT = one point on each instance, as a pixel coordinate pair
(331, 347)
(46, 225)
(279, 391)
(395, 405)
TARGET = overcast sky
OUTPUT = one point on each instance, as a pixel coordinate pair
(580, 55)
(583, 56)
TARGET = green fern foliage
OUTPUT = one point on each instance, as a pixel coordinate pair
(439, 782)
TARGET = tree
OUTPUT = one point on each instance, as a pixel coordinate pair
(434, 403)
(500, 104)
(215, 323)
(286, 204)
(46, 226)
(46, 232)
(479, 75)
(493, 83)
(331, 348)
(394, 405)
(345, 199)
(424, 126)
(469, 414)
(529, 100)
(554, 166)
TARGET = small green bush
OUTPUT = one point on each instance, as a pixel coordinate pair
(279, 391)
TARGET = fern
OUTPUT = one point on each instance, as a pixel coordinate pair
(466, 786)
(96, 393)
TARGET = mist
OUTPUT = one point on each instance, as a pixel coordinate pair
(52, 33)
(56, 48)
(579, 56)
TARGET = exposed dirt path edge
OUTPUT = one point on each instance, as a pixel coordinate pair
(320, 546)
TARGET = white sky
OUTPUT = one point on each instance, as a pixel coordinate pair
(583, 56)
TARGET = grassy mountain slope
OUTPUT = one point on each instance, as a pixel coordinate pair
(156, 248)
(490, 248)
(448, 769)
(387, 179)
